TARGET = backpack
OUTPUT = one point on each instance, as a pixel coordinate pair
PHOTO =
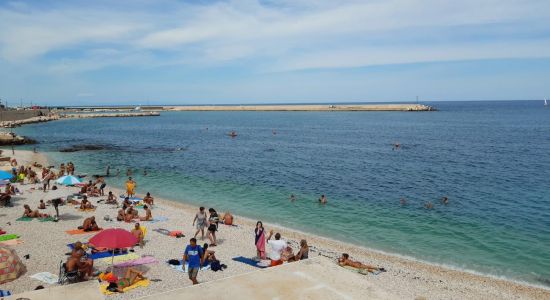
(215, 266)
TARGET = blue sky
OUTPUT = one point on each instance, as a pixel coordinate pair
(208, 52)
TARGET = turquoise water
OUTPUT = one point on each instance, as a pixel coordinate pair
(490, 158)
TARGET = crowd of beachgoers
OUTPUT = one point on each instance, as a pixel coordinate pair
(176, 245)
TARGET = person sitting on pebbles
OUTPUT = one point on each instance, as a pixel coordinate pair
(85, 204)
(111, 199)
(89, 224)
(149, 199)
(148, 214)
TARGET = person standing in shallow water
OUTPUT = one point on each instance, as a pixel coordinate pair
(323, 199)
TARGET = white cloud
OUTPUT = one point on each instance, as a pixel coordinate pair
(285, 35)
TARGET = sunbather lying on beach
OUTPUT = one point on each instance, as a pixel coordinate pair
(345, 261)
(89, 224)
(32, 214)
(132, 276)
(148, 214)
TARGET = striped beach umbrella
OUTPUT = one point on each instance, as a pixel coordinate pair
(68, 180)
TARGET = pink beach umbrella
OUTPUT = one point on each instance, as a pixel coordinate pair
(114, 238)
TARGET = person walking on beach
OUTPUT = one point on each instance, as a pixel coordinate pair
(200, 219)
(193, 254)
(259, 240)
(213, 221)
(46, 180)
(277, 247)
(130, 187)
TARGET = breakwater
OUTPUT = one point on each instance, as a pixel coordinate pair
(109, 115)
(366, 107)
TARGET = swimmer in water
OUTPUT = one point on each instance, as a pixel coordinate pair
(445, 200)
(292, 198)
(428, 205)
(274, 132)
(144, 172)
(323, 199)
(396, 146)
(403, 201)
(233, 133)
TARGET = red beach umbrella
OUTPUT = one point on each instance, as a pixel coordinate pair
(114, 238)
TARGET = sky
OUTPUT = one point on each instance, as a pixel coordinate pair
(266, 51)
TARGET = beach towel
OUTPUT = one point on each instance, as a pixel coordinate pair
(185, 268)
(47, 219)
(7, 237)
(24, 219)
(104, 255)
(159, 219)
(2, 232)
(248, 261)
(86, 209)
(136, 262)
(162, 231)
(142, 283)
(361, 271)
(119, 258)
(4, 293)
(46, 277)
(80, 231)
(11, 242)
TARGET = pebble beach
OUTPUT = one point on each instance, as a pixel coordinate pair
(46, 245)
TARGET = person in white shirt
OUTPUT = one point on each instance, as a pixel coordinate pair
(277, 247)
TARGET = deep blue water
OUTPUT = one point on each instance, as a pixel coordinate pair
(490, 158)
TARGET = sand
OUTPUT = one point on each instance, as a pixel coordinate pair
(46, 244)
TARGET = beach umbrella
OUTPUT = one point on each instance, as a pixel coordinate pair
(5, 175)
(11, 266)
(113, 238)
(68, 180)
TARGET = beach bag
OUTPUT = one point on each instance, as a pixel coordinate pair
(215, 266)
(174, 262)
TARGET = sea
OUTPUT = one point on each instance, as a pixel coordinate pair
(491, 159)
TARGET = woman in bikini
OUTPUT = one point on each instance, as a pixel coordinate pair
(131, 277)
(32, 214)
